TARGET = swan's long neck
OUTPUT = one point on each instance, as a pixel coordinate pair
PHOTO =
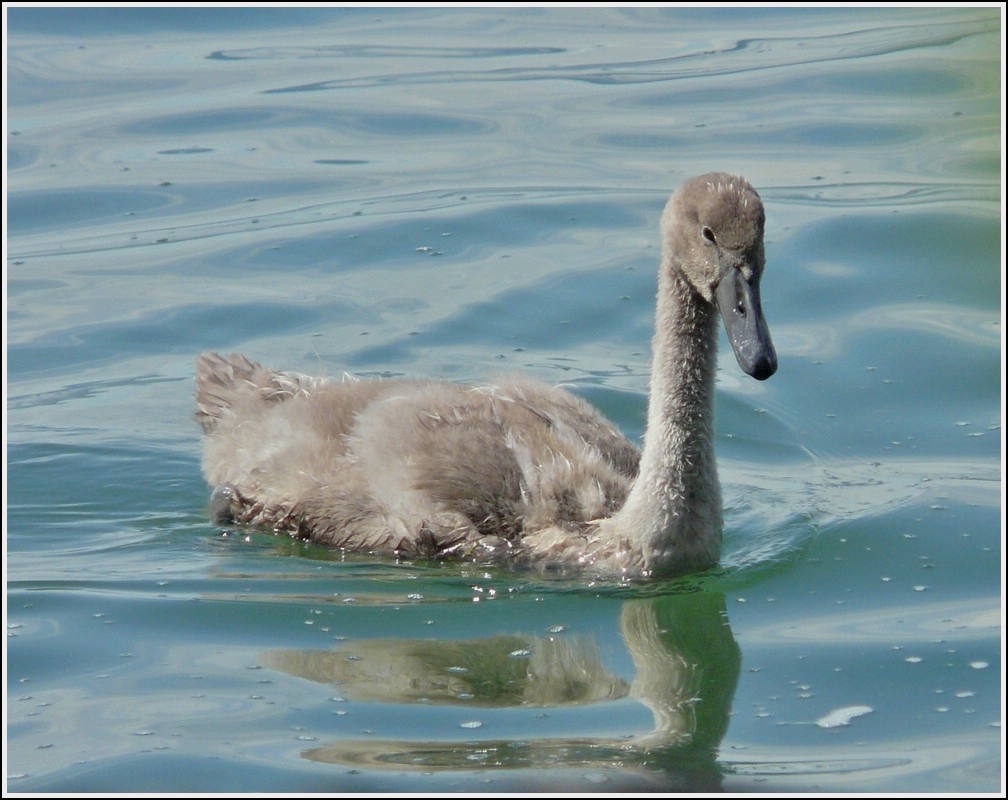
(673, 512)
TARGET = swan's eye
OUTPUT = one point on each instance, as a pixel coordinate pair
(708, 234)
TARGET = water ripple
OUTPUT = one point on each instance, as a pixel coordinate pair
(376, 51)
(742, 55)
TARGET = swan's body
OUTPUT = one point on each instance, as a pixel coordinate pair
(518, 469)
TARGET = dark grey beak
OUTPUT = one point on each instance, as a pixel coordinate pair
(739, 303)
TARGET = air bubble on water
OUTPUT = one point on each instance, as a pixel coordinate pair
(840, 717)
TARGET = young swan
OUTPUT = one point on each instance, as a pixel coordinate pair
(518, 470)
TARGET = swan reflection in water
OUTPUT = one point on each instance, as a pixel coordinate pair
(687, 667)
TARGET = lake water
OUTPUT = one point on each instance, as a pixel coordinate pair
(456, 193)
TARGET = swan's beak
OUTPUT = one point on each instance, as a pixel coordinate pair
(739, 303)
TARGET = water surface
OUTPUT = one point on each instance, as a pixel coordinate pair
(463, 192)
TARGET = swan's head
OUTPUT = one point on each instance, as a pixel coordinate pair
(712, 233)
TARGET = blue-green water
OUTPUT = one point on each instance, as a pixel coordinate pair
(459, 193)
